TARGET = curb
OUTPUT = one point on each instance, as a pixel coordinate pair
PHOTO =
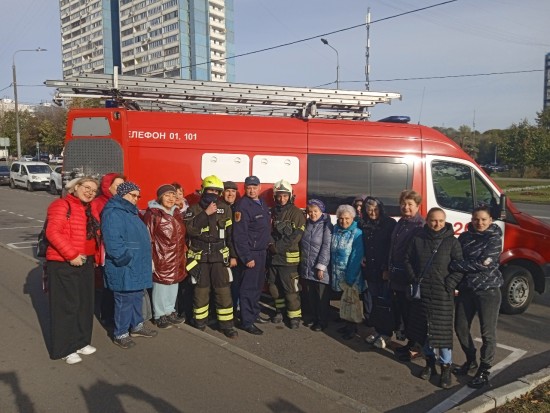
(500, 396)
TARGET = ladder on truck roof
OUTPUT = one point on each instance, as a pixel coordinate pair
(150, 93)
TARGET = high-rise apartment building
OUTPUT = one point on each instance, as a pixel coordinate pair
(187, 39)
(546, 81)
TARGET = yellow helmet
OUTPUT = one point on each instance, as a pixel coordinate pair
(282, 186)
(212, 182)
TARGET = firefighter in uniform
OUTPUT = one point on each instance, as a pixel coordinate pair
(209, 228)
(288, 225)
(251, 237)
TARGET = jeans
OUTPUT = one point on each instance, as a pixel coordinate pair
(486, 304)
(128, 311)
(445, 354)
(164, 299)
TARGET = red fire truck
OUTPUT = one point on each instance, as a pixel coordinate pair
(319, 140)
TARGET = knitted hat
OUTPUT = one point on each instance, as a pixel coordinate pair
(230, 185)
(165, 188)
(126, 187)
(318, 203)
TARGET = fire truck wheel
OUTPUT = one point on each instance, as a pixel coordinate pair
(518, 289)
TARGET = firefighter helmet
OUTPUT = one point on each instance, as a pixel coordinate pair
(282, 186)
(212, 182)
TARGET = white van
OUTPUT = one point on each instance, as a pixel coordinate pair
(30, 175)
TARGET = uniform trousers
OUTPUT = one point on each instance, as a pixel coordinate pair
(284, 287)
(71, 296)
(252, 283)
(213, 276)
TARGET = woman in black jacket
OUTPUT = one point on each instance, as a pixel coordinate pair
(431, 317)
(377, 230)
(479, 292)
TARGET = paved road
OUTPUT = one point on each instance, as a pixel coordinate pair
(282, 371)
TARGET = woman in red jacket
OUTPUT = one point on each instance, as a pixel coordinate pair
(108, 186)
(73, 234)
(167, 230)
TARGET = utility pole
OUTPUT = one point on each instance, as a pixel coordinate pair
(367, 53)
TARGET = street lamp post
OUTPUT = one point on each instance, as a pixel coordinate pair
(325, 41)
(17, 131)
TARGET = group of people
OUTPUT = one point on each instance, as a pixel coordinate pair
(433, 282)
(221, 250)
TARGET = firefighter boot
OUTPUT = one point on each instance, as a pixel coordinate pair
(445, 381)
(294, 323)
(277, 318)
(429, 370)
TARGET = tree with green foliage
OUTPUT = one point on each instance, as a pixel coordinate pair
(520, 146)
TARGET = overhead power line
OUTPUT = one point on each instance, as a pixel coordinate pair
(512, 72)
(266, 49)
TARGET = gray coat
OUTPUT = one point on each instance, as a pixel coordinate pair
(315, 249)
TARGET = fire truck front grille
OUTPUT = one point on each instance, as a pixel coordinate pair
(92, 157)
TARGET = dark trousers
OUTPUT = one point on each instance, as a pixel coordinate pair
(128, 311)
(184, 300)
(284, 287)
(373, 290)
(486, 305)
(401, 307)
(236, 285)
(252, 283)
(318, 297)
(71, 294)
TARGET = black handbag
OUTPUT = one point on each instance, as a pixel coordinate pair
(413, 289)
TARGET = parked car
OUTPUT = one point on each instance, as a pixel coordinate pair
(4, 174)
(27, 158)
(30, 175)
(56, 180)
(58, 160)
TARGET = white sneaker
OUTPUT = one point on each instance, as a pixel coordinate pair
(380, 342)
(72, 358)
(87, 350)
(371, 339)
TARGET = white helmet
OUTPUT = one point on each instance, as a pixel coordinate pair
(282, 186)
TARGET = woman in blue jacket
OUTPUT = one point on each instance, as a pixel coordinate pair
(128, 263)
(315, 258)
(479, 292)
(346, 255)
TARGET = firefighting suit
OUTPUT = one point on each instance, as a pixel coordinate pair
(208, 262)
(284, 257)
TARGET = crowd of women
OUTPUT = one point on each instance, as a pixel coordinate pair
(415, 278)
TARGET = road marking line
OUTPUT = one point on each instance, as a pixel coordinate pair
(32, 226)
(465, 391)
(15, 245)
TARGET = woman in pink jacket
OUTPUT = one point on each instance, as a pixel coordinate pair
(73, 234)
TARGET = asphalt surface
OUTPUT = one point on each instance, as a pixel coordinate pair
(185, 370)
(181, 370)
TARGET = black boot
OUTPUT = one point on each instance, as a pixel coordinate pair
(445, 381)
(429, 370)
(468, 367)
(481, 378)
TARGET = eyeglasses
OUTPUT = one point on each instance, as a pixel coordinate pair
(89, 189)
(134, 195)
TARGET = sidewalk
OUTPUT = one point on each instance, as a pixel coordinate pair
(181, 370)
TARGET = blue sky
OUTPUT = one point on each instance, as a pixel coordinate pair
(465, 37)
